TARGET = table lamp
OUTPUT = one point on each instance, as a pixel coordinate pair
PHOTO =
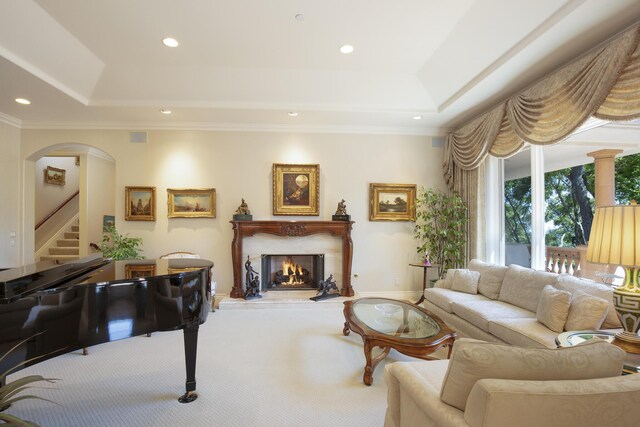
(615, 240)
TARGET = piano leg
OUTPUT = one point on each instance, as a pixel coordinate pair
(190, 352)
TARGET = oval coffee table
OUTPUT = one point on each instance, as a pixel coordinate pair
(400, 325)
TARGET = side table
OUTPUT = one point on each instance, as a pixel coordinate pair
(571, 338)
(424, 278)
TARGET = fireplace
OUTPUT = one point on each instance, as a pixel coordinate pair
(292, 272)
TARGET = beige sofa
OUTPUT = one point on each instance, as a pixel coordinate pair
(504, 305)
(490, 384)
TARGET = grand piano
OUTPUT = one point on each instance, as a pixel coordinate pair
(59, 308)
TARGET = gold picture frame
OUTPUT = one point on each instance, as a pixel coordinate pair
(392, 202)
(140, 203)
(54, 175)
(134, 271)
(191, 203)
(296, 189)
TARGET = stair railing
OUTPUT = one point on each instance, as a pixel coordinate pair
(53, 212)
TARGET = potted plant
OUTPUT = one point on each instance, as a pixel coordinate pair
(116, 246)
(10, 391)
(441, 228)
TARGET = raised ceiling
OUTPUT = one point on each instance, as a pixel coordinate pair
(244, 64)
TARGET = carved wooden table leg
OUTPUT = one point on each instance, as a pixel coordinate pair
(346, 331)
(372, 362)
(450, 350)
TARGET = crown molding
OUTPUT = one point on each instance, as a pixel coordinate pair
(10, 120)
(236, 127)
(518, 47)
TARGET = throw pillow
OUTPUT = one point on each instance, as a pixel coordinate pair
(553, 308)
(570, 283)
(586, 312)
(522, 286)
(465, 281)
(447, 282)
(474, 360)
(491, 277)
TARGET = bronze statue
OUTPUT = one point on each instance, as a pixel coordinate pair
(341, 212)
(326, 289)
(242, 213)
(243, 209)
(252, 281)
(342, 208)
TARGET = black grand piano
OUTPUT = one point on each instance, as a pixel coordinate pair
(60, 308)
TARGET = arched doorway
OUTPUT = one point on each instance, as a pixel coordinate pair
(96, 185)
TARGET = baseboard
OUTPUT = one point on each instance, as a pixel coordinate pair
(400, 295)
(300, 299)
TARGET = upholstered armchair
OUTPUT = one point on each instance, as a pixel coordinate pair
(488, 384)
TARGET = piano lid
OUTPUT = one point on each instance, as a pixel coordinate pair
(18, 282)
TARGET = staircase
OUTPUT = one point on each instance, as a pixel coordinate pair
(66, 249)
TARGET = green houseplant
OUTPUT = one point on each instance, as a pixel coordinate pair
(441, 228)
(116, 246)
(10, 392)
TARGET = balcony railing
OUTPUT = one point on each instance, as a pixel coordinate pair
(563, 260)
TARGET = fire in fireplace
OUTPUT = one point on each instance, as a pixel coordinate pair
(292, 272)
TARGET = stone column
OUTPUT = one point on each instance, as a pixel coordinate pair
(605, 176)
(605, 186)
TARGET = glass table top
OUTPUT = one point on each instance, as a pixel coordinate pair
(571, 338)
(395, 318)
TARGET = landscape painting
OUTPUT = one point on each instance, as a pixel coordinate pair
(140, 204)
(191, 203)
(392, 202)
(54, 175)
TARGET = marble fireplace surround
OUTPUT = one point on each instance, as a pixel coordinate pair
(291, 229)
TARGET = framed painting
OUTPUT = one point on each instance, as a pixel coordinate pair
(54, 175)
(134, 271)
(108, 221)
(296, 189)
(191, 203)
(140, 203)
(392, 202)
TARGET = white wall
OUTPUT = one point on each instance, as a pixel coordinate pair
(101, 198)
(10, 190)
(238, 165)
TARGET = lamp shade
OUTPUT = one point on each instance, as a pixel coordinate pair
(615, 236)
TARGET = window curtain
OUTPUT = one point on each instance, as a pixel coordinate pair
(604, 82)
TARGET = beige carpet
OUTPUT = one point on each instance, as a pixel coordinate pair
(276, 367)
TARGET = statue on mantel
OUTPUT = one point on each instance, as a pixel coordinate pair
(326, 289)
(243, 213)
(341, 212)
(252, 281)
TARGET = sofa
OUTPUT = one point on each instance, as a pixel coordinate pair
(519, 305)
(492, 384)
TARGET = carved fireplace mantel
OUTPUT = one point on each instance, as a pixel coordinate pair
(242, 229)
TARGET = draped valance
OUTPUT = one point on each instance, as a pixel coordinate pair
(604, 82)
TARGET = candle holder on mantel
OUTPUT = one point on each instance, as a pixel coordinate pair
(243, 213)
(341, 212)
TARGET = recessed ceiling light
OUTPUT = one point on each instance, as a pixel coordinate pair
(170, 42)
(165, 111)
(347, 48)
(417, 117)
(23, 101)
(292, 113)
(300, 17)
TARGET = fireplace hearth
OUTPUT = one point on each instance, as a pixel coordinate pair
(292, 272)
